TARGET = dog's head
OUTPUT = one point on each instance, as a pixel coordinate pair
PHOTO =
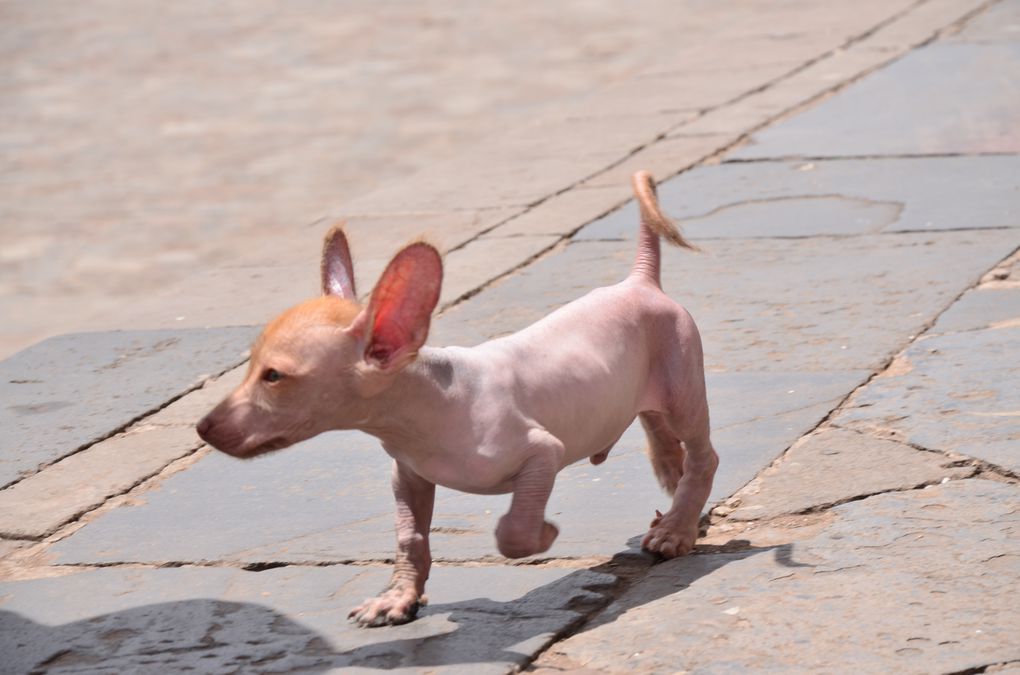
(318, 365)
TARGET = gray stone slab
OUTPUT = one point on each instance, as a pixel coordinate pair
(904, 582)
(1000, 23)
(71, 390)
(943, 98)
(39, 504)
(328, 499)
(834, 466)
(981, 308)
(765, 304)
(221, 620)
(955, 392)
(833, 197)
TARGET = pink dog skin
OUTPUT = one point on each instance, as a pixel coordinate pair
(504, 416)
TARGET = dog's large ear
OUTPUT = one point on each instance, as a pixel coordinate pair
(337, 268)
(398, 315)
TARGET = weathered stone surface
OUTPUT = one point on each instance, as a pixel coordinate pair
(9, 546)
(954, 392)
(981, 308)
(566, 212)
(41, 503)
(664, 158)
(837, 197)
(189, 409)
(833, 466)
(482, 260)
(765, 304)
(920, 110)
(911, 582)
(71, 390)
(928, 21)
(481, 620)
(328, 499)
(1000, 23)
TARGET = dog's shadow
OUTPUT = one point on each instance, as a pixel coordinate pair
(209, 635)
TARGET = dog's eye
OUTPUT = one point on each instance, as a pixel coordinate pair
(272, 375)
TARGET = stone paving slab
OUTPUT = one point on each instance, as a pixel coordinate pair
(981, 308)
(69, 391)
(920, 110)
(195, 174)
(565, 212)
(222, 620)
(908, 582)
(834, 466)
(328, 498)
(866, 294)
(953, 393)
(1000, 23)
(833, 197)
(39, 504)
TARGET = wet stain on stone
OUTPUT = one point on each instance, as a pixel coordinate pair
(799, 214)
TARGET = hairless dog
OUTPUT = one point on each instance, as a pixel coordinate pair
(504, 416)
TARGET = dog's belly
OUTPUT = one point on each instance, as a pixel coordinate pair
(599, 444)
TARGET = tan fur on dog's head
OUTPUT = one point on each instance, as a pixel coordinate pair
(315, 365)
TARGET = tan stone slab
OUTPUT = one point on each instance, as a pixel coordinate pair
(818, 78)
(582, 132)
(678, 92)
(190, 408)
(9, 546)
(243, 295)
(736, 120)
(107, 207)
(43, 502)
(835, 466)
(923, 22)
(567, 211)
(664, 158)
(374, 235)
(481, 180)
(483, 260)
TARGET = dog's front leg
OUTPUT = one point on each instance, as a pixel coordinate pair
(523, 530)
(400, 601)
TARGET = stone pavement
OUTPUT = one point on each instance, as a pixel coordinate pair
(857, 194)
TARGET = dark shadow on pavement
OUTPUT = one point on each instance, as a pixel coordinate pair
(216, 636)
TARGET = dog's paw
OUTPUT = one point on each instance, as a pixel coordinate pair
(393, 607)
(669, 537)
(516, 542)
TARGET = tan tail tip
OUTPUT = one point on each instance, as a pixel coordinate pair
(651, 215)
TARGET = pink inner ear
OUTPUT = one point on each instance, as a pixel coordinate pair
(337, 267)
(402, 303)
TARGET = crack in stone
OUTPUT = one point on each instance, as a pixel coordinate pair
(261, 566)
(982, 469)
(78, 515)
(130, 423)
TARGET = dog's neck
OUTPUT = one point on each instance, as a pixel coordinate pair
(418, 404)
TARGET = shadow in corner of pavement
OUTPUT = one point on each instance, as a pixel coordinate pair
(489, 631)
(211, 635)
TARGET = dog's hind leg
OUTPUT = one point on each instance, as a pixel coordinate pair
(685, 463)
(665, 451)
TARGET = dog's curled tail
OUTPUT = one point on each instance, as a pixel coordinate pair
(654, 224)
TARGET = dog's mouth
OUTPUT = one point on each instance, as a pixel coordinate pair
(274, 443)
